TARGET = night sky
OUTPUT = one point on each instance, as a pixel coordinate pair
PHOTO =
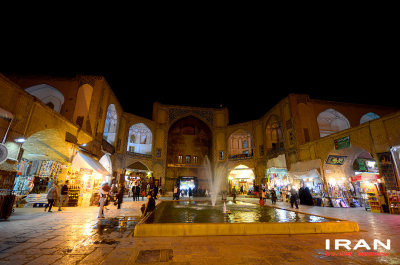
(247, 77)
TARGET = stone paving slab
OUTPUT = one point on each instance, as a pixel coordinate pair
(32, 236)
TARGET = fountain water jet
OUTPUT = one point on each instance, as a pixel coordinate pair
(214, 180)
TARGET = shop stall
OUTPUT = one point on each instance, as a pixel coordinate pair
(242, 178)
(359, 185)
(85, 177)
(306, 177)
(278, 179)
(33, 179)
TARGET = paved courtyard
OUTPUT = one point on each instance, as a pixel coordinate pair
(76, 236)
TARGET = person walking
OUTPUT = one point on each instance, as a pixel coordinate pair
(263, 197)
(293, 198)
(137, 192)
(103, 192)
(241, 189)
(114, 191)
(51, 197)
(120, 195)
(273, 196)
(176, 194)
(234, 193)
(63, 195)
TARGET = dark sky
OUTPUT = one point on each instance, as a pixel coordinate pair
(248, 76)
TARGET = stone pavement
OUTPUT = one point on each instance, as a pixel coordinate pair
(76, 236)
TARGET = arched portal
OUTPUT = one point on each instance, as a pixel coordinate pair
(331, 121)
(242, 179)
(189, 142)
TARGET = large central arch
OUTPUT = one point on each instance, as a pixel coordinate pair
(189, 143)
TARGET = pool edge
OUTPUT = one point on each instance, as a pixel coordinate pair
(236, 229)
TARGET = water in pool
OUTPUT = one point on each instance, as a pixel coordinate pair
(240, 212)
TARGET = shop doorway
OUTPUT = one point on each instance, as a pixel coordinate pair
(187, 185)
(242, 179)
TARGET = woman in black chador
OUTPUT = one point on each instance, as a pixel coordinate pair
(308, 199)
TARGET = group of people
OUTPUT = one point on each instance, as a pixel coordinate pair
(303, 195)
(106, 194)
(180, 193)
(52, 196)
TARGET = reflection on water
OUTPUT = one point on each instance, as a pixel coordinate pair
(241, 212)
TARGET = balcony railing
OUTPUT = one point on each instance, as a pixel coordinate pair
(138, 154)
(240, 157)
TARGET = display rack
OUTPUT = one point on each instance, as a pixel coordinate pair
(394, 201)
(373, 200)
(73, 195)
(364, 198)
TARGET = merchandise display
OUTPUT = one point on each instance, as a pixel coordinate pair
(394, 201)
(373, 199)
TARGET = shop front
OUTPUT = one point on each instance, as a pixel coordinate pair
(277, 177)
(368, 190)
(307, 179)
(85, 176)
(242, 178)
(33, 179)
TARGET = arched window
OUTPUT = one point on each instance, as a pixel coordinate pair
(240, 142)
(49, 95)
(369, 117)
(139, 139)
(82, 105)
(274, 135)
(111, 126)
(331, 121)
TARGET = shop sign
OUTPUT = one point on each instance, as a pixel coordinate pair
(335, 160)
(342, 143)
(361, 165)
(355, 178)
(364, 178)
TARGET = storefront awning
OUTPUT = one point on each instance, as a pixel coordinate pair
(84, 161)
(305, 169)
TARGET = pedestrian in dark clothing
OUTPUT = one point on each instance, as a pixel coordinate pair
(308, 199)
(234, 193)
(51, 197)
(134, 192)
(273, 196)
(120, 195)
(155, 192)
(293, 198)
(63, 195)
(150, 205)
(190, 192)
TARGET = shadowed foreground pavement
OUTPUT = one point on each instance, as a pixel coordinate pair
(76, 236)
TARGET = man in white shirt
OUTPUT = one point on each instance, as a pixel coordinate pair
(103, 192)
